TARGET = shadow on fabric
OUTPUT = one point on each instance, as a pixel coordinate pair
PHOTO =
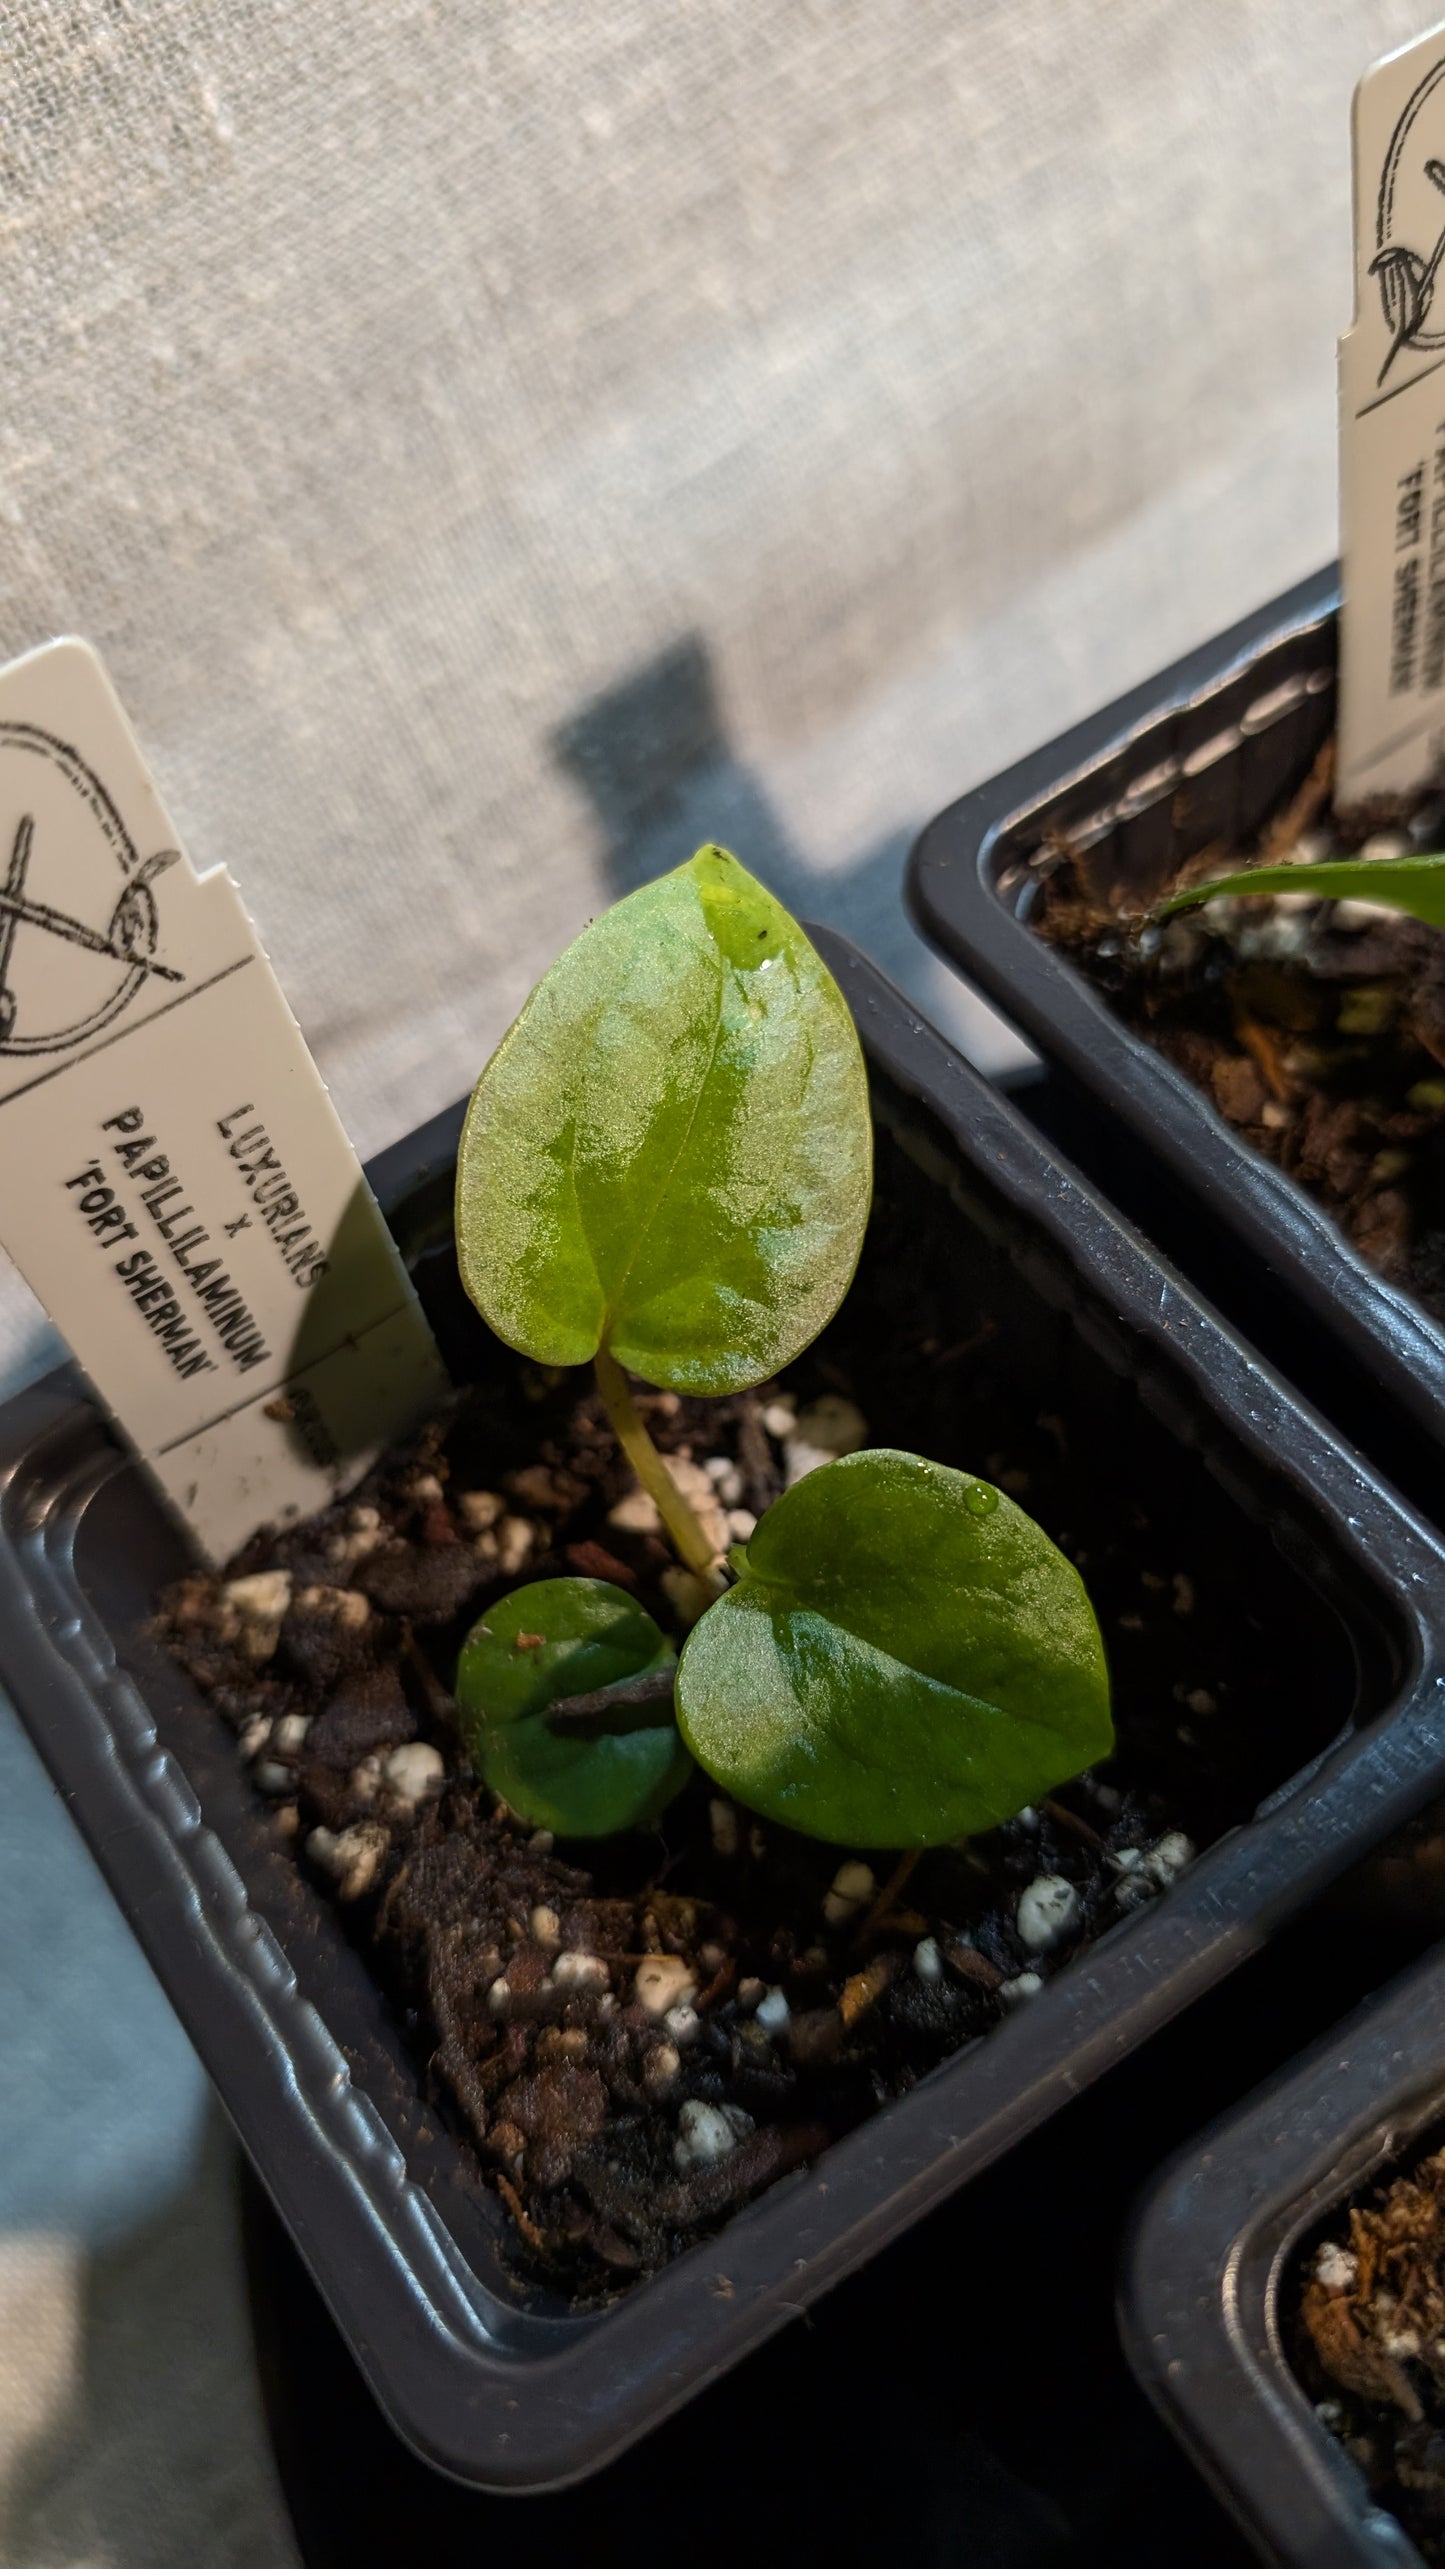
(145, 2446)
(652, 755)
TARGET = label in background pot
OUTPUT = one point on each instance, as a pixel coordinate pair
(174, 1181)
(1392, 435)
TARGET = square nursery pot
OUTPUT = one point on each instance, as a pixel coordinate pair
(1213, 2263)
(1206, 751)
(1089, 1336)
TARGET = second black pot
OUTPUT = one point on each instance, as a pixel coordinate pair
(1064, 1315)
(1202, 753)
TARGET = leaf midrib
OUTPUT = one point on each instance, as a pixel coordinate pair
(762, 1592)
(610, 1303)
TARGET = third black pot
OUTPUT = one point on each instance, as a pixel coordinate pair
(1169, 1424)
(1211, 2273)
(1203, 753)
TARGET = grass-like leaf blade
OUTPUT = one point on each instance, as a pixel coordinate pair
(1412, 883)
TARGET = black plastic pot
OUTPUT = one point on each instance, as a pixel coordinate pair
(1204, 752)
(1211, 2256)
(510, 2391)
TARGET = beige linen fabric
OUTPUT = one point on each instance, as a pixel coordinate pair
(497, 443)
(130, 2423)
(388, 389)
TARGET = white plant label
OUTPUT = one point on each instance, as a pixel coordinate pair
(1392, 435)
(175, 1183)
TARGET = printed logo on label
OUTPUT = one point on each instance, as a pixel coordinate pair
(1410, 231)
(65, 973)
(174, 1180)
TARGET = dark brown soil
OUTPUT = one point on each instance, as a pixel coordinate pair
(1370, 2344)
(1316, 1028)
(515, 1964)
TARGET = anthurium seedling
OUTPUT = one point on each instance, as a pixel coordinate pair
(666, 1171)
(1415, 884)
(667, 1162)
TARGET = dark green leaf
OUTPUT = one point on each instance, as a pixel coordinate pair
(554, 1638)
(670, 1154)
(1412, 883)
(907, 1659)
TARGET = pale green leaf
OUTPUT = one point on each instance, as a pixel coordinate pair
(670, 1154)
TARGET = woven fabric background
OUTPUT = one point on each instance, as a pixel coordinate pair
(497, 443)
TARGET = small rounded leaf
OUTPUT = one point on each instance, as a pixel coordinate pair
(907, 1659)
(553, 1638)
(670, 1154)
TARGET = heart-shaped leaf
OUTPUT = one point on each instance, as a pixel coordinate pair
(541, 1643)
(670, 1155)
(906, 1659)
(1412, 883)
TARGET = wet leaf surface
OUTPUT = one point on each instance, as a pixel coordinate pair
(906, 1659)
